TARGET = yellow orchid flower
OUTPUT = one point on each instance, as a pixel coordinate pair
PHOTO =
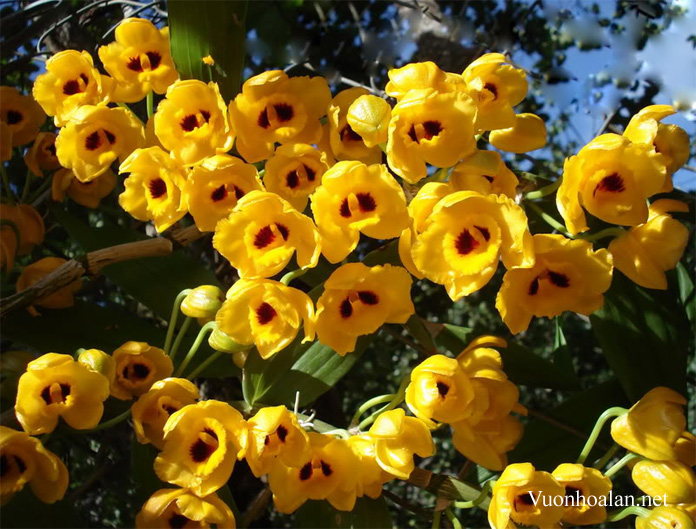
(346, 143)
(369, 116)
(568, 275)
(371, 476)
(358, 300)
(53, 386)
(486, 173)
(168, 508)
(138, 366)
(29, 223)
(62, 298)
(528, 133)
(669, 517)
(356, 198)
(673, 479)
(99, 362)
(421, 76)
(21, 115)
(88, 194)
(580, 483)
(41, 156)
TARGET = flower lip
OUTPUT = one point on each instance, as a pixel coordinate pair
(611, 184)
(204, 446)
(14, 117)
(268, 234)
(56, 393)
(425, 131)
(158, 188)
(265, 313)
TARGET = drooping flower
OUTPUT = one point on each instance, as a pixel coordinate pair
(580, 484)
(495, 86)
(371, 476)
(669, 517)
(567, 276)
(369, 117)
(611, 178)
(25, 460)
(294, 172)
(671, 141)
(41, 156)
(397, 439)
(486, 173)
(653, 425)
(169, 508)
(152, 409)
(355, 198)
(265, 313)
(139, 60)
(88, 194)
(55, 385)
(347, 144)
(421, 76)
(430, 127)
(326, 473)
(647, 251)
(439, 390)
(138, 366)
(214, 187)
(276, 437)
(70, 82)
(95, 137)
(673, 479)
(202, 441)
(358, 300)
(518, 498)
(528, 133)
(274, 108)
(263, 232)
(153, 188)
(192, 123)
(99, 362)
(465, 236)
(685, 448)
(29, 224)
(21, 114)
(62, 298)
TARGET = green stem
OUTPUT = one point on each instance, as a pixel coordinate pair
(180, 337)
(293, 275)
(607, 232)
(111, 422)
(6, 183)
(607, 457)
(150, 104)
(343, 434)
(478, 499)
(544, 191)
(173, 318)
(208, 327)
(27, 185)
(452, 518)
(368, 404)
(437, 516)
(43, 187)
(604, 417)
(397, 399)
(628, 511)
(621, 463)
(548, 218)
(204, 364)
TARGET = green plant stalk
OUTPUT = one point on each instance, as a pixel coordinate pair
(628, 511)
(548, 219)
(603, 418)
(43, 187)
(397, 399)
(108, 424)
(476, 501)
(27, 185)
(607, 232)
(150, 104)
(452, 518)
(368, 404)
(6, 183)
(293, 275)
(607, 457)
(437, 516)
(621, 463)
(204, 364)
(173, 318)
(343, 434)
(180, 337)
(544, 191)
(208, 327)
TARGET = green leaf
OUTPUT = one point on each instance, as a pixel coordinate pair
(687, 292)
(416, 327)
(25, 510)
(85, 325)
(561, 353)
(143, 472)
(199, 28)
(367, 513)
(153, 281)
(559, 434)
(312, 369)
(520, 364)
(644, 335)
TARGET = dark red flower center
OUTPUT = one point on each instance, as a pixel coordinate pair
(265, 313)
(178, 521)
(348, 134)
(71, 87)
(266, 236)
(611, 184)
(430, 130)
(158, 188)
(55, 397)
(200, 450)
(442, 388)
(219, 194)
(466, 243)
(492, 89)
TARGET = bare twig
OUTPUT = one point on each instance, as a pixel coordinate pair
(258, 504)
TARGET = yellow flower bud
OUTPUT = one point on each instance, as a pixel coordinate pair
(215, 186)
(35, 272)
(263, 232)
(274, 108)
(611, 178)
(673, 479)
(355, 198)
(265, 313)
(95, 137)
(486, 173)
(88, 194)
(653, 425)
(202, 441)
(28, 222)
(203, 302)
(182, 508)
(192, 123)
(346, 143)
(685, 448)
(99, 362)
(518, 497)
(358, 300)
(276, 437)
(219, 341)
(152, 409)
(294, 172)
(580, 483)
(369, 117)
(663, 517)
(21, 114)
(25, 460)
(53, 386)
(138, 366)
(421, 76)
(41, 156)
(527, 134)
(430, 127)
(646, 251)
(568, 275)
(70, 82)
(495, 86)
(139, 60)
